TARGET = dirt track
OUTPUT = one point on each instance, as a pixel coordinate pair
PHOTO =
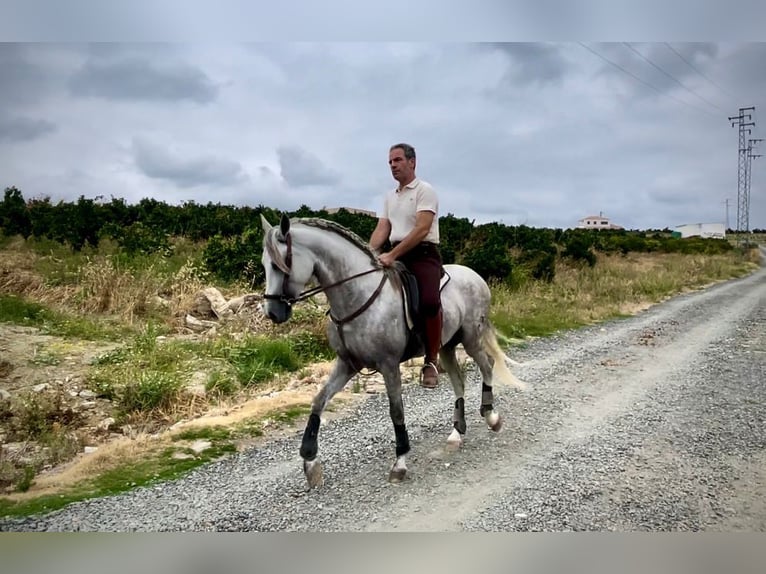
(657, 422)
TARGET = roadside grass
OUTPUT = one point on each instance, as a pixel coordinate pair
(162, 458)
(130, 290)
(21, 311)
(151, 374)
(617, 286)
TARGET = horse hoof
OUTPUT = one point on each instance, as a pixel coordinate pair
(454, 441)
(398, 471)
(313, 471)
(454, 446)
(495, 423)
(397, 475)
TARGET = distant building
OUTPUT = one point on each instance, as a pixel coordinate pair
(599, 221)
(332, 210)
(714, 230)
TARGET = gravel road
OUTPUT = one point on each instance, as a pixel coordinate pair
(657, 422)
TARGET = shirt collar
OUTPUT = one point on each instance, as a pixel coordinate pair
(413, 184)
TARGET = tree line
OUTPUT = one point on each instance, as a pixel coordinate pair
(232, 235)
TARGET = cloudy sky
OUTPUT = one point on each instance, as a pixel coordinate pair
(534, 133)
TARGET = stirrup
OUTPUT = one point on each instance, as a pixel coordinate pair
(430, 382)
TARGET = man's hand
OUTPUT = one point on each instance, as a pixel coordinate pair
(386, 259)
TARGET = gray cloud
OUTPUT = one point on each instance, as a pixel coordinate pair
(532, 62)
(301, 168)
(139, 78)
(156, 161)
(23, 80)
(21, 129)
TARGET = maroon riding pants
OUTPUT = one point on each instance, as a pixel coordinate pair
(425, 261)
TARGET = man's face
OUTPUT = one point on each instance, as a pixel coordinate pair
(402, 168)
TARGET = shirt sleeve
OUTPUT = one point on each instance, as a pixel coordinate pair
(383, 211)
(426, 199)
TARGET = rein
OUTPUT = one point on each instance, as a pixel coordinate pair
(286, 269)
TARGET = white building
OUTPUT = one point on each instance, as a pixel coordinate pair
(715, 230)
(599, 221)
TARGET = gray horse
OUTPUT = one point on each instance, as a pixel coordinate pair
(373, 312)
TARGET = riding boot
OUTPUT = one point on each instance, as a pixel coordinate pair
(433, 333)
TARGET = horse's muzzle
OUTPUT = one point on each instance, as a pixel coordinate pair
(278, 311)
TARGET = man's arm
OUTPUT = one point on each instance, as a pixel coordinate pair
(423, 221)
(380, 234)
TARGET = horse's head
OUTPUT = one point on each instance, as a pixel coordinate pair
(287, 270)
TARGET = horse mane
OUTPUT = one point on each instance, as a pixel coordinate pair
(393, 272)
(327, 225)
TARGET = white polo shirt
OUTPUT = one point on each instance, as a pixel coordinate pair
(401, 207)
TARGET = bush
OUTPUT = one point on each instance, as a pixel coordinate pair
(138, 238)
(578, 248)
(235, 258)
(490, 260)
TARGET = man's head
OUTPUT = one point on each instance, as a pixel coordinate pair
(401, 160)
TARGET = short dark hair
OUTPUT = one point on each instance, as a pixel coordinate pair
(409, 151)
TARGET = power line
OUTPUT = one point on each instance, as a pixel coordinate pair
(688, 63)
(656, 89)
(672, 77)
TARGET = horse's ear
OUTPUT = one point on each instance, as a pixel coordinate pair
(265, 223)
(284, 225)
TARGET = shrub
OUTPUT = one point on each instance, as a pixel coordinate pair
(235, 258)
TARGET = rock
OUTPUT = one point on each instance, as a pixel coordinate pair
(41, 387)
(90, 449)
(86, 394)
(161, 301)
(4, 395)
(106, 424)
(182, 455)
(210, 303)
(236, 304)
(196, 386)
(218, 302)
(198, 325)
(200, 445)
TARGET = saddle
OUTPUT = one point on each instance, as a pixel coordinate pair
(411, 308)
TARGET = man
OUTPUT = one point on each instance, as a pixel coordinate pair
(410, 220)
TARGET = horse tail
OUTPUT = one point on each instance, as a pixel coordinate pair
(500, 372)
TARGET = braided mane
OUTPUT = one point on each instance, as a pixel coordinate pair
(327, 225)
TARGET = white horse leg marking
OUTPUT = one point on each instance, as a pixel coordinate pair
(493, 420)
(314, 474)
(455, 440)
(398, 470)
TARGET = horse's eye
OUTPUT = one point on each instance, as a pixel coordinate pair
(274, 267)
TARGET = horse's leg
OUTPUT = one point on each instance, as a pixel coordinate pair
(485, 364)
(340, 375)
(450, 364)
(393, 378)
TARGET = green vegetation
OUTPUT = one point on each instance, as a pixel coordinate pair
(19, 311)
(127, 274)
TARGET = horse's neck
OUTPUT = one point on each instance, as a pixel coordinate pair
(336, 258)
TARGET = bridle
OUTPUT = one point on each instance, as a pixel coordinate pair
(286, 268)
